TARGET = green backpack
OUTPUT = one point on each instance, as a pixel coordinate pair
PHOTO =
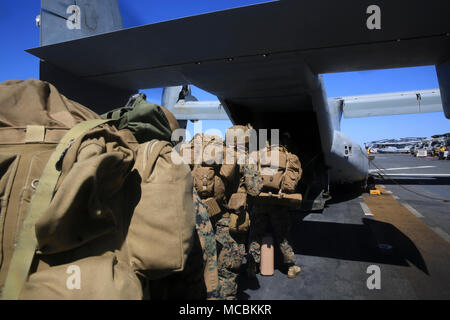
(147, 121)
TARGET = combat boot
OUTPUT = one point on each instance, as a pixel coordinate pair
(293, 271)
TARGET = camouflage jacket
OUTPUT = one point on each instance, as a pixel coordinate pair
(251, 180)
(248, 178)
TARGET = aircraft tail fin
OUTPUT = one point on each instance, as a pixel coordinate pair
(66, 20)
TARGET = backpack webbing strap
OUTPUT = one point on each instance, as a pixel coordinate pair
(27, 242)
(152, 151)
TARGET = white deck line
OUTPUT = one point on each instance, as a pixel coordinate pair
(411, 209)
(442, 233)
(365, 209)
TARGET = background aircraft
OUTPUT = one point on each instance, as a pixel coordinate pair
(263, 62)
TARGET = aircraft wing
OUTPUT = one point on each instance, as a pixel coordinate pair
(419, 101)
(199, 110)
(262, 56)
(384, 104)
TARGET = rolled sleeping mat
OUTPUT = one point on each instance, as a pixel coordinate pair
(267, 256)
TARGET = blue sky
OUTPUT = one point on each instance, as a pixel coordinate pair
(19, 32)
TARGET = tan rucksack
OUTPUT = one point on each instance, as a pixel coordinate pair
(84, 203)
(34, 117)
(280, 179)
(209, 173)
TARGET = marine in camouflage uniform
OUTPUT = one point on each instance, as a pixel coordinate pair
(232, 245)
(212, 224)
(280, 220)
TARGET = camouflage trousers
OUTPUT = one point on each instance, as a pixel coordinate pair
(231, 248)
(280, 220)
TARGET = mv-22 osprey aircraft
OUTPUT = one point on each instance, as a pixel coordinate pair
(263, 62)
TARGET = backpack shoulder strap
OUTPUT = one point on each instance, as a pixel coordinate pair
(151, 154)
(27, 242)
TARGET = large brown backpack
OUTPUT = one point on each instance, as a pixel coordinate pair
(73, 197)
(280, 179)
(209, 173)
(34, 117)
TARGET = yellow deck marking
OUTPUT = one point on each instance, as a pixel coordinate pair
(434, 250)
